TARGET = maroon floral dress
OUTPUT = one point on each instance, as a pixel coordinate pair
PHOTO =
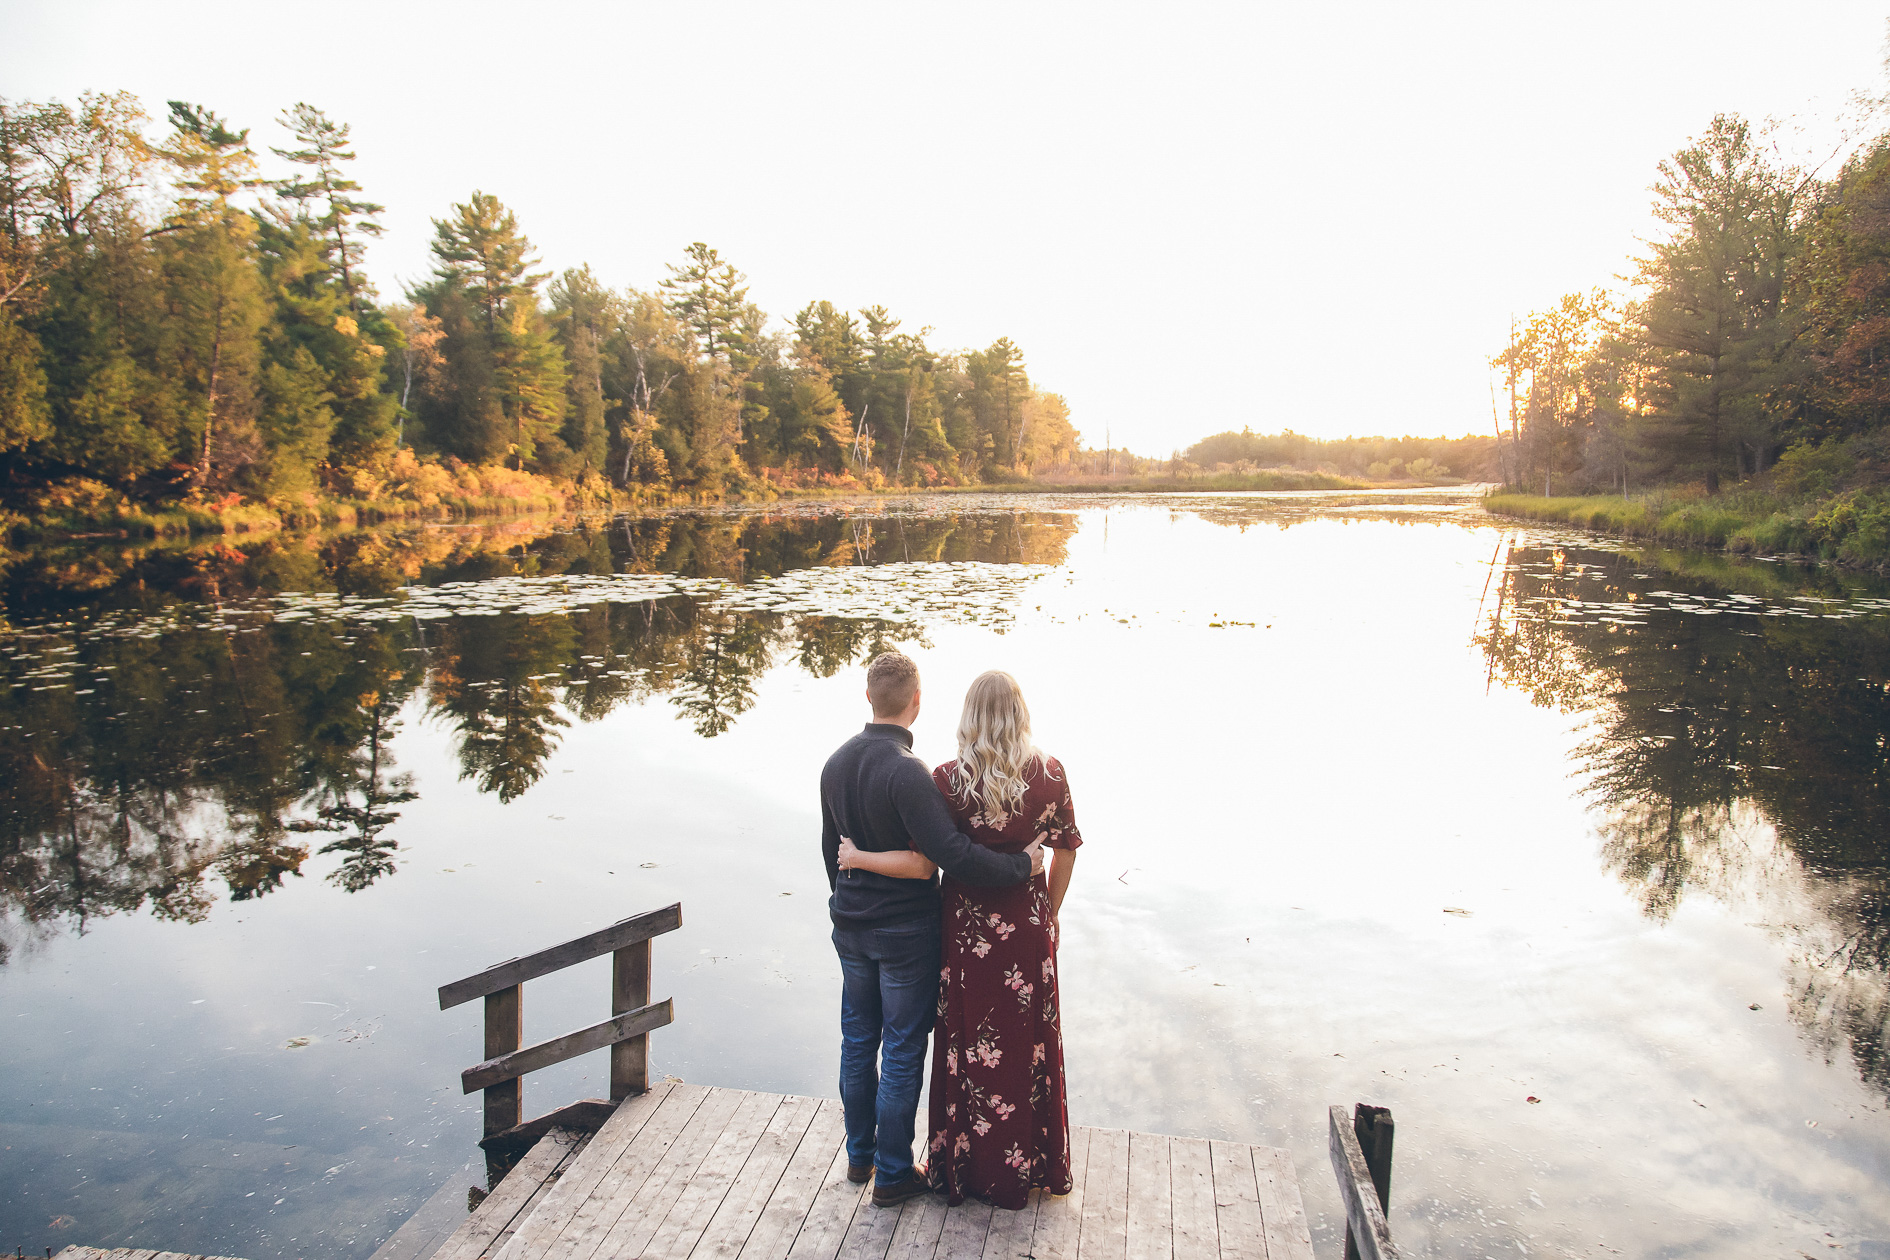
(1000, 1124)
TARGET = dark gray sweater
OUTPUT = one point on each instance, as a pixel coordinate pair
(878, 793)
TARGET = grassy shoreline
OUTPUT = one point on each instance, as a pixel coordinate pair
(89, 511)
(1851, 529)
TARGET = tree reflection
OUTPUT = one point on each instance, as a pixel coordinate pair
(1744, 756)
(366, 853)
(138, 766)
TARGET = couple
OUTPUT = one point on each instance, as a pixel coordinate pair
(978, 954)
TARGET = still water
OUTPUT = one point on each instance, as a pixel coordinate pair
(1572, 855)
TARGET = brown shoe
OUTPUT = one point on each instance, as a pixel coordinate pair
(911, 1188)
(859, 1174)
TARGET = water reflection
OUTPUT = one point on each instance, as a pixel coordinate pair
(1733, 748)
(170, 717)
(181, 727)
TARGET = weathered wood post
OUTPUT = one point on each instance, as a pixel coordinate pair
(1361, 1159)
(1373, 1127)
(505, 1032)
(626, 1032)
(629, 990)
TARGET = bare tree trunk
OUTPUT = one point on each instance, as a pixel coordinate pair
(906, 432)
(210, 408)
(1712, 431)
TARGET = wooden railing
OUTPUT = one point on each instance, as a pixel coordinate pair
(626, 1032)
(1361, 1158)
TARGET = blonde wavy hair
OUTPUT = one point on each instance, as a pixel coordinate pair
(994, 748)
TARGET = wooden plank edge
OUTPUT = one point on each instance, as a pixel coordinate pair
(617, 1028)
(422, 1234)
(638, 927)
(1371, 1233)
(586, 1116)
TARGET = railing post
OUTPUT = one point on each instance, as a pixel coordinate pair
(630, 989)
(1375, 1129)
(505, 1029)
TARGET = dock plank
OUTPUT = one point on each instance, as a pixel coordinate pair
(644, 1213)
(515, 1191)
(790, 1208)
(423, 1232)
(708, 1185)
(1106, 1197)
(1191, 1193)
(837, 1202)
(575, 1189)
(580, 1235)
(1237, 1202)
(748, 1195)
(1282, 1212)
(690, 1173)
(871, 1234)
(920, 1224)
(1060, 1217)
(1009, 1236)
(1151, 1223)
(966, 1227)
(531, 1205)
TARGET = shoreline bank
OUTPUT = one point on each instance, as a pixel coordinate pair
(1850, 530)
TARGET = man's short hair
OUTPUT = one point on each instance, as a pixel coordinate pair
(891, 681)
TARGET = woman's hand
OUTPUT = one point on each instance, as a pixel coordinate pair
(849, 855)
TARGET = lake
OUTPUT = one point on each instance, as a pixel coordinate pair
(1571, 853)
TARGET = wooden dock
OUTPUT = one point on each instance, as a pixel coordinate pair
(668, 1171)
(690, 1171)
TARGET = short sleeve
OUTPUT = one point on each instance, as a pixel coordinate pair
(1058, 828)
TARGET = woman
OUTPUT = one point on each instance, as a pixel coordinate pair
(999, 1121)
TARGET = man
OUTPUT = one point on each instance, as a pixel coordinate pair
(875, 791)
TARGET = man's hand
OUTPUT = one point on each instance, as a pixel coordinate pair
(848, 854)
(1035, 849)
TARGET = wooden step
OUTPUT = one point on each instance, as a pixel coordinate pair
(494, 1221)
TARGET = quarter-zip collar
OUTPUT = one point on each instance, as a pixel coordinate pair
(888, 730)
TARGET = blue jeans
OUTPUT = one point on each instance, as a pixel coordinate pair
(888, 1000)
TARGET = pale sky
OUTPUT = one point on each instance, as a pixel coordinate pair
(1191, 217)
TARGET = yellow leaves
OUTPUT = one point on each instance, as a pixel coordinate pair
(346, 326)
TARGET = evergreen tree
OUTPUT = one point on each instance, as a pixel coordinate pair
(220, 344)
(503, 390)
(710, 297)
(215, 298)
(999, 387)
(1846, 278)
(342, 220)
(1715, 319)
(585, 314)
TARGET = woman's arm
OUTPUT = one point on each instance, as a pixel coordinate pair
(902, 864)
(1062, 866)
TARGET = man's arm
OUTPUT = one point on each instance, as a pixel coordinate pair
(829, 842)
(934, 834)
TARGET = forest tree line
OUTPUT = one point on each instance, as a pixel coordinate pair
(177, 325)
(1469, 458)
(1757, 341)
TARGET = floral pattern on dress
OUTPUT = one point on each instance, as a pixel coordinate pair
(999, 1120)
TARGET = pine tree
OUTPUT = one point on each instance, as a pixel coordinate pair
(215, 296)
(585, 313)
(504, 386)
(342, 220)
(1715, 319)
(709, 296)
(481, 249)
